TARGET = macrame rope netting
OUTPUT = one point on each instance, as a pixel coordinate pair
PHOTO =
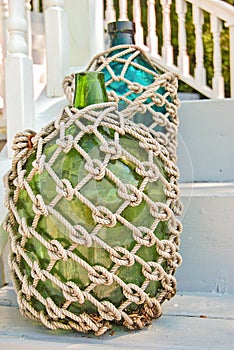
(147, 97)
(89, 121)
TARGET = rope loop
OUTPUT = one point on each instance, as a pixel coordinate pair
(113, 148)
(56, 251)
(100, 275)
(104, 216)
(134, 294)
(148, 170)
(153, 271)
(130, 193)
(39, 206)
(109, 312)
(65, 189)
(122, 257)
(73, 293)
(144, 236)
(96, 169)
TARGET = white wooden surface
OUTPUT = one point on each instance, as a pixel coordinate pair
(188, 322)
(206, 141)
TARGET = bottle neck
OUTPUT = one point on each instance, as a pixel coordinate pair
(89, 89)
(120, 38)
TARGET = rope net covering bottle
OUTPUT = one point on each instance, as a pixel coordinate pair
(114, 245)
(155, 104)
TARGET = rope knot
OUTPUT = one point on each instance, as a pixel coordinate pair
(100, 275)
(104, 216)
(153, 271)
(37, 273)
(65, 189)
(65, 143)
(148, 170)
(56, 251)
(81, 236)
(109, 312)
(97, 172)
(160, 211)
(122, 257)
(144, 236)
(39, 206)
(73, 293)
(158, 99)
(131, 194)
(113, 148)
(19, 180)
(39, 163)
(135, 87)
(134, 293)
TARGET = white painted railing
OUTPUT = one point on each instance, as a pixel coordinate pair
(221, 14)
(82, 20)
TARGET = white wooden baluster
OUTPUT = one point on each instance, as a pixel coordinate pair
(198, 20)
(183, 58)
(29, 32)
(218, 80)
(3, 40)
(231, 38)
(19, 74)
(139, 36)
(35, 5)
(57, 50)
(167, 49)
(96, 33)
(123, 10)
(110, 15)
(152, 39)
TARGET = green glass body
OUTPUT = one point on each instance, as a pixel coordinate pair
(71, 166)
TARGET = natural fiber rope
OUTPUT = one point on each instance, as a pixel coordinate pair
(147, 98)
(87, 121)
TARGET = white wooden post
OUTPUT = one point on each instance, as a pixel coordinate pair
(218, 80)
(3, 40)
(96, 27)
(29, 32)
(167, 49)
(57, 49)
(139, 36)
(110, 15)
(198, 20)
(231, 38)
(35, 5)
(19, 74)
(152, 39)
(182, 58)
(123, 10)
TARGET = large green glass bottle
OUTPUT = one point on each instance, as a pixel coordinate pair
(70, 166)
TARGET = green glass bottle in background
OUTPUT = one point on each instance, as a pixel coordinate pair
(71, 167)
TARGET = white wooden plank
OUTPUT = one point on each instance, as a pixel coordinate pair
(210, 305)
(171, 331)
(207, 245)
(206, 141)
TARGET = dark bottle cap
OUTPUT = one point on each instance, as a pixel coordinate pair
(121, 26)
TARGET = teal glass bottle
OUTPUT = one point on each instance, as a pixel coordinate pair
(122, 33)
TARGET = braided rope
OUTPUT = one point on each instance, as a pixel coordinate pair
(38, 252)
(147, 98)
